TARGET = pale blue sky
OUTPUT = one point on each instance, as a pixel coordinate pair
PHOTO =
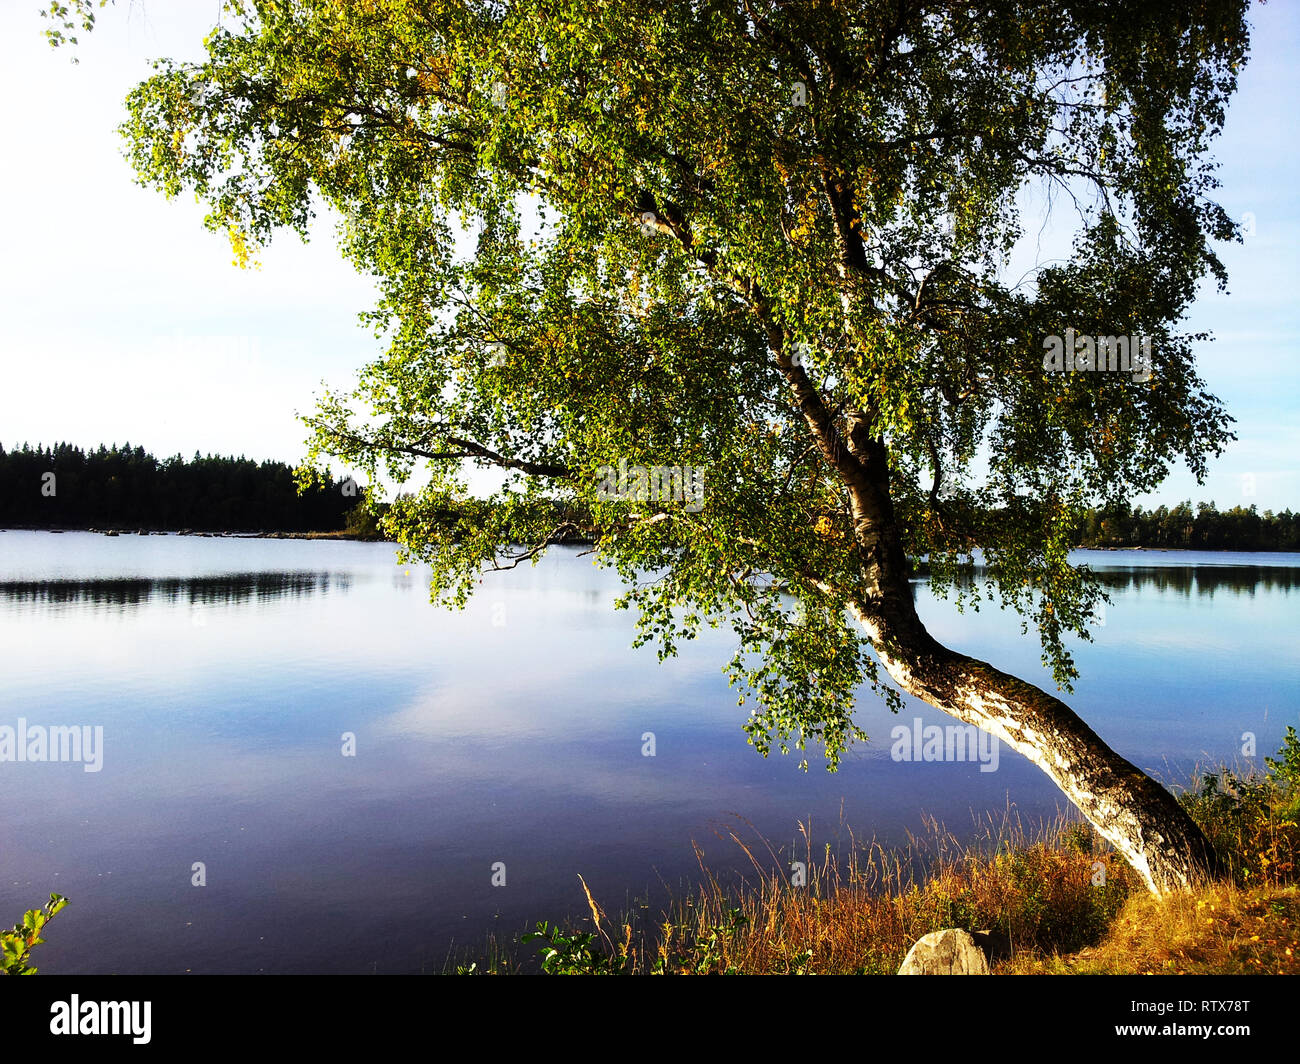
(121, 318)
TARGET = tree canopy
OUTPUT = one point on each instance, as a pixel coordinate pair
(768, 241)
(723, 187)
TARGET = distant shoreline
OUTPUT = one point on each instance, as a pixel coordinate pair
(1198, 550)
(581, 542)
(203, 534)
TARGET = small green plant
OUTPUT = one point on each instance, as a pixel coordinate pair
(1284, 770)
(701, 954)
(690, 953)
(17, 944)
(1077, 838)
(575, 952)
(1254, 820)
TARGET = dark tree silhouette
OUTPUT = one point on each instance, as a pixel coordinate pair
(125, 487)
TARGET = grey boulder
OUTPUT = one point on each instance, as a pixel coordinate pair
(948, 952)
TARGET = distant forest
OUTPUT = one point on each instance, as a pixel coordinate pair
(127, 488)
(1205, 528)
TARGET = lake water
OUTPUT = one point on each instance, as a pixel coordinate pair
(225, 672)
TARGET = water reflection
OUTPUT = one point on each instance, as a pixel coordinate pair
(244, 587)
(226, 589)
(1185, 579)
(1204, 580)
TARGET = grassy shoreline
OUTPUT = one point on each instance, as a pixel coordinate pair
(1056, 899)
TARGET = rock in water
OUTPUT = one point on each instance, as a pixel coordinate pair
(948, 952)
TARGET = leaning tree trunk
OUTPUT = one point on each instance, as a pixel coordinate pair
(1132, 811)
(1141, 819)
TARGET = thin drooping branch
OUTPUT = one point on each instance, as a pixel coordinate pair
(556, 535)
(463, 448)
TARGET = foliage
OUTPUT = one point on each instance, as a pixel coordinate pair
(573, 952)
(1253, 819)
(66, 19)
(682, 950)
(16, 945)
(362, 521)
(720, 236)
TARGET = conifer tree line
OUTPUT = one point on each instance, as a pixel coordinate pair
(125, 487)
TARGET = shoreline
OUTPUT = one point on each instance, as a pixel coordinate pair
(202, 534)
(574, 541)
(355, 537)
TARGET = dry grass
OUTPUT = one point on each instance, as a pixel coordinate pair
(1042, 894)
(1225, 930)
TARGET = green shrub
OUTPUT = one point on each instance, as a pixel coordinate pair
(1253, 820)
(17, 944)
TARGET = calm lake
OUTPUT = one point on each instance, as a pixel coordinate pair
(225, 672)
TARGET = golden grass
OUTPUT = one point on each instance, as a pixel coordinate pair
(1045, 896)
(861, 915)
(1224, 929)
